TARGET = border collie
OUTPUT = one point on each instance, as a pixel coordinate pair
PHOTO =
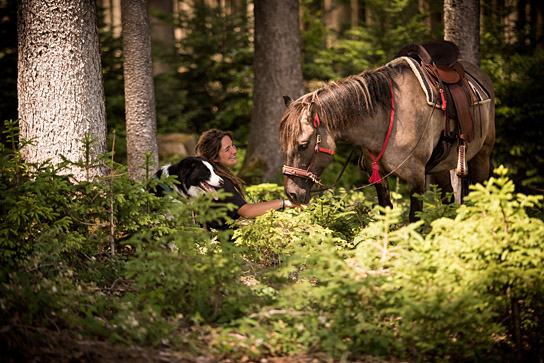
(195, 176)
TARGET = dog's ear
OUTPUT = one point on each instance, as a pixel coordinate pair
(186, 167)
(188, 162)
(287, 100)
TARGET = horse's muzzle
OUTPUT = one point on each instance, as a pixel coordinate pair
(297, 189)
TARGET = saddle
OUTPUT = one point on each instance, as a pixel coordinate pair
(439, 62)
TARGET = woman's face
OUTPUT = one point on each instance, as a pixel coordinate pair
(227, 153)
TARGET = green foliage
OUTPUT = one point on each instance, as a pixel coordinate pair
(514, 60)
(58, 234)
(268, 239)
(263, 192)
(327, 55)
(343, 215)
(463, 284)
(189, 273)
(435, 206)
(214, 65)
(443, 296)
(520, 107)
(505, 251)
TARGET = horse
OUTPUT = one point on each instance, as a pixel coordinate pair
(388, 106)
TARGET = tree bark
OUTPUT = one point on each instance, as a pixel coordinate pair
(338, 15)
(60, 90)
(278, 72)
(462, 26)
(139, 92)
(162, 34)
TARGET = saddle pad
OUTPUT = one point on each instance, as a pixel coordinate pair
(481, 96)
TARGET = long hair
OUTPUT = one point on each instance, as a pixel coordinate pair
(208, 146)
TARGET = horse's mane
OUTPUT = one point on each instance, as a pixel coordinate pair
(340, 103)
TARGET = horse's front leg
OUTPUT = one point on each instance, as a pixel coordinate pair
(382, 189)
(416, 185)
(443, 179)
(384, 196)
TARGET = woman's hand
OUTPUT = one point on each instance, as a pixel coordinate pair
(289, 204)
(252, 210)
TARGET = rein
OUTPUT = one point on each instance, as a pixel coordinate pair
(375, 177)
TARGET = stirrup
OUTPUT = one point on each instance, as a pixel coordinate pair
(462, 167)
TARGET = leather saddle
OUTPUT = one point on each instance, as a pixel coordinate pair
(439, 59)
(439, 62)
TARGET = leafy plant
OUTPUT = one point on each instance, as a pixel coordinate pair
(338, 277)
(447, 295)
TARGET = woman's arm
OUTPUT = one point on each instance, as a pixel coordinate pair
(258, 209)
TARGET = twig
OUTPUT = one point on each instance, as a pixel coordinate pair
(112, 226)
(269, 313)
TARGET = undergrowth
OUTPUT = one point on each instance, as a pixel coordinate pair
(106, 260)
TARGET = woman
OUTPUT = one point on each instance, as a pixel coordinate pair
(217, 147)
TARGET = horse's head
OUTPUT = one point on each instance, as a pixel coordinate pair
(309, 147)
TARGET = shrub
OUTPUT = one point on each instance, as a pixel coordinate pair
(59, 230)
(463, 284)
(457, 293)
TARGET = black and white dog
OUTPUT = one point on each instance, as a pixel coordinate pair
(195, 176)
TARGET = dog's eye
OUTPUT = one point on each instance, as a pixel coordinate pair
(302, 147)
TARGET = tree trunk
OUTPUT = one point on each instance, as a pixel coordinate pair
(139, 93)
(338, 15)
(60, 90)
(162, 34)
(278, 72)
(462, 26)
(111, 16)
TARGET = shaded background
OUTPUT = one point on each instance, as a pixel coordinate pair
(204, 71)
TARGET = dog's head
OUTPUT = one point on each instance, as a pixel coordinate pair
(197, 176)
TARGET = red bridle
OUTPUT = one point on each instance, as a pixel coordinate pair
(290, 170)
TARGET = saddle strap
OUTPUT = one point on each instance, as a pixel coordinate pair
(452, 82)
(464, 116)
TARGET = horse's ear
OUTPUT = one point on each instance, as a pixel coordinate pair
(287, 100)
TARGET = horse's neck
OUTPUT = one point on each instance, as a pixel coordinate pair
(367, 132)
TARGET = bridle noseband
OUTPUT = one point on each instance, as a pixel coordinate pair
(291, 170)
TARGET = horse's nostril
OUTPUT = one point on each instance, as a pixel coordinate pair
(293, 197)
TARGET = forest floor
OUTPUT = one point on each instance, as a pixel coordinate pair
(31, 344)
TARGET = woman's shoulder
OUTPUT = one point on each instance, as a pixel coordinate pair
(228, 185)
(227, 181)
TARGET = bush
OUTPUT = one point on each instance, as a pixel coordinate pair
(463, 284)
(447, 295)
(55, 229)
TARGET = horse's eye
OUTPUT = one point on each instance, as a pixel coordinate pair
(302, 147)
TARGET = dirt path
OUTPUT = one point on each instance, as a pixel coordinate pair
(28, 344)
